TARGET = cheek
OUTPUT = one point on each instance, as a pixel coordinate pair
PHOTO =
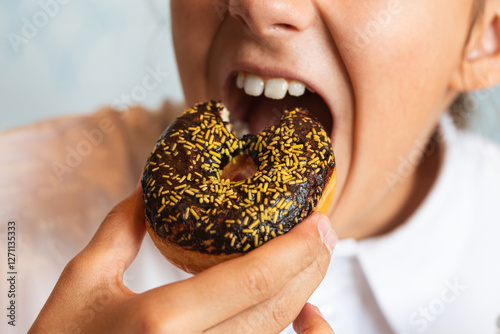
(401, 76)
(194, 25)
(400, 56)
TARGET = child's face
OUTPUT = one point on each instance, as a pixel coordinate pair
(382, 67)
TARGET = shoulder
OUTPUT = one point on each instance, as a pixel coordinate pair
(72, 140)
(482, 152)
(60, 177)
(105, 119)
(83, 161)
(479, 160)
(475, 161)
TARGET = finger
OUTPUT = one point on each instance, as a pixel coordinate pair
(236, 285)
(311, 321)
(278, 311)
(118, 240)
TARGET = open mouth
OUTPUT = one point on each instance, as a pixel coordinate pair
(256, 102)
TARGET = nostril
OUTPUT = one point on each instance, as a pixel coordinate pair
(260, 20)
(278, 16)
(285, 27)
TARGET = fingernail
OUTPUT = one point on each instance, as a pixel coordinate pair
(330, 241)
(328, 236)
(324, 227)
(316, 309)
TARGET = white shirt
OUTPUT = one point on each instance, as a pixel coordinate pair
(437, 273)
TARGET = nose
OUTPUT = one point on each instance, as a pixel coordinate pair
(273, 17)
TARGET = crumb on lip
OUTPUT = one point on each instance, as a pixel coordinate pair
(241, 128)
(225, 115)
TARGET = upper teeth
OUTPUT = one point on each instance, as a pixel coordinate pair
(275, 88)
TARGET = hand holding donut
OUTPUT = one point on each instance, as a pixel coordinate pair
(261, 292)
(211, 196)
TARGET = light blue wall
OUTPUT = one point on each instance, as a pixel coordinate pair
(486, 119)
(86, 54)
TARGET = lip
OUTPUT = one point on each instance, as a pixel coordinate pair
(272, 72)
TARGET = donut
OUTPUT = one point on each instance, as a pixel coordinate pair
(210, 196)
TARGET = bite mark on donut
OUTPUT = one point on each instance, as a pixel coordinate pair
(200, 196)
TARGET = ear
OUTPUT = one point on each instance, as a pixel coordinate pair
(480, 67)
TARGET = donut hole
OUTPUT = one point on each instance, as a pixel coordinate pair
(241, 168)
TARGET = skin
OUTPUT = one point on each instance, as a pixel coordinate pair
(370, 87)
(90, 295)
(385, 97)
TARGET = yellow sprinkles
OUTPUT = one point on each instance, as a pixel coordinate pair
(225, 216)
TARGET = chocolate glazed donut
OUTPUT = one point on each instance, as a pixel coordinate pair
(210, 196)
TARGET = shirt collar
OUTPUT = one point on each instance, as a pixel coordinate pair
(408, 267)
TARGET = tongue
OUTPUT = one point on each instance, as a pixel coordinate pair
(263, 111)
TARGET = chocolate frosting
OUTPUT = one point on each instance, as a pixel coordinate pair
(190, 205)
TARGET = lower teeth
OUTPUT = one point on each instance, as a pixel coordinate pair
(241, 128)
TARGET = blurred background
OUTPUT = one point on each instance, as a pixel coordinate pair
(74, 56)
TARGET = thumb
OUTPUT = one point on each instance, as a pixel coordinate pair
(118, 240)
(310, 321)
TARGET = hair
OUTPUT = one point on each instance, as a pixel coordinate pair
(464, 105)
